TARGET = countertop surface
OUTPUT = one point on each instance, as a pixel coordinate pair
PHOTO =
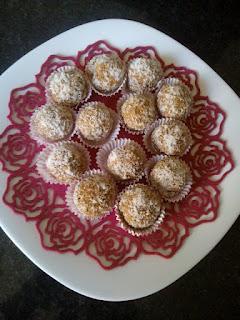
(211, 290)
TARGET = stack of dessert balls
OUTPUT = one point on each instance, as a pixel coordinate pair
(149, 105)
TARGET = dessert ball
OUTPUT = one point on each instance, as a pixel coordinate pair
(174, 101)
(106, 72)
(67, 86)
(171, 137)
(67, 162)
(140, 206)
(52, 123)
(95, 195)
(95, 122)
(169, 176)
(126, 162)
(143, 74)
(138, 111)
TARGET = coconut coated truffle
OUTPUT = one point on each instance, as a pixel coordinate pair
(169, 176)
(138, 111)
(171, 137)
(52, 123)
(140, 205)
(94, 196)
(126, 162)
(143, 74)
(174, 101)
(67, 162)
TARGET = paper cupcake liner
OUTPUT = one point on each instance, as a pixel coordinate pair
(113, 134)
(134, 231)
(104, 152)
(42, 140)
(185, 190)
(175, 81)
(112, 93)
(43, 156)
(148, 132)
(67, 68)
(152, 89)
(70, 202)
(120, 102)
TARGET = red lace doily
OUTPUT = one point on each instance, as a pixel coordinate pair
(61, 231)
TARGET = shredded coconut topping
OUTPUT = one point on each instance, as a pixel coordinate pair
(126, 162)
(95, 121)
(95, 195)
(53, 123)
(66, 162)
(143, 74)
(68, 86)
(174, 101)
(140, 205)
(138, 111)
(169, 176)
(106, 72)
(172, 138)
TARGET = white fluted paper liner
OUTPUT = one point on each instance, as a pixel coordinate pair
(67, 68)
(137, 232)
(185, 190)
(70, 201)
(42, 140)
(120, 102)
(112, 93)
(112, 135)
(103, 153)
(45, 153)
(175, 81)
(147, 141)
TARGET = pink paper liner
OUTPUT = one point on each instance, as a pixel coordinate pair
(70, 191)
(43, 156)
(103, 153)
(175, 81)
(148, 132)
(113, 134)
(48, 95)
(134, 231)
(120, 102)
(185, 190)
(108, 94)
(41, 140)
(149, 90)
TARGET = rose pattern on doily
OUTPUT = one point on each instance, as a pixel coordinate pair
(18, 150)
(104, 241)
(23, 101)
(61, 231)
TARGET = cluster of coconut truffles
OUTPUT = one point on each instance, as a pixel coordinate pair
(150, 105)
